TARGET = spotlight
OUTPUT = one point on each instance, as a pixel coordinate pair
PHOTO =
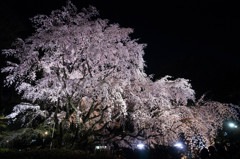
(232, 125)
(140, 146)
(179, 145)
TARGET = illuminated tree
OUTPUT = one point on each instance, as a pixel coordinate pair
(78, 64)
(89, 73)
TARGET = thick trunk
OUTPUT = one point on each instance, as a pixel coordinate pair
(60, 138)
(78, 124)
(67, 111)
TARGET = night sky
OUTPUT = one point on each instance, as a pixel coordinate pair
(197, 40)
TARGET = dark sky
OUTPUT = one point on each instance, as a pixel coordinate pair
(197, 40)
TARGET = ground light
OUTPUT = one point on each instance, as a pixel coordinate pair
(179, 145)
(100, 147)
(232, 125)
(140, 146)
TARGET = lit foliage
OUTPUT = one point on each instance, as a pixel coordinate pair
(91, 73)
(26, 113)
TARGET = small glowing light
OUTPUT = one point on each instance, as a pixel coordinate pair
(232, 125)
(97, 147)
(179, 145)
(45, 132)
(7, 141)
(100, 147)
(140, 146)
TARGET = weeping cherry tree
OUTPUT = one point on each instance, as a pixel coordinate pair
(86, 73)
